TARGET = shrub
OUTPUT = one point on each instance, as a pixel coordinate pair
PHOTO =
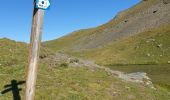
(64, 65)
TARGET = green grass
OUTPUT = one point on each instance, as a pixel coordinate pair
(78, 84)
(12, 53)
(67, 83)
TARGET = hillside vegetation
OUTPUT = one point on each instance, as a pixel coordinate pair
(78, 84)
(151, 47)
(66, 82)
(12, 53)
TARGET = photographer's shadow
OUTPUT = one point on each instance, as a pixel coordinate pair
(13, 87)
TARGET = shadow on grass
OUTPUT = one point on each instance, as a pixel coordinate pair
(13, 87)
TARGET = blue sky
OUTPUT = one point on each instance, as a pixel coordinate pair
(63, 17)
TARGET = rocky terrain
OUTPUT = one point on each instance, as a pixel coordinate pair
(63, 60)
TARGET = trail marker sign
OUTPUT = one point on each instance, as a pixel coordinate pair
(42, 4)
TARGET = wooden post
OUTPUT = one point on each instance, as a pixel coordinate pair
(36, 32)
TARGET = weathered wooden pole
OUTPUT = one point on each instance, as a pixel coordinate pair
(37, 23)
(34, 53)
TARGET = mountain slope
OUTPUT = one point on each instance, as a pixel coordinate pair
(140, 18)
(144, 19)
(151, 47)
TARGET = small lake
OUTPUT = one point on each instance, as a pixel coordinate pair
(160, 74)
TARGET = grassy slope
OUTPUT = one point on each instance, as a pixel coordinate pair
(152, 47)
(67, 83)
(78, 84)
(9, 52)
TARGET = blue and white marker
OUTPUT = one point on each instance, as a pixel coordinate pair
(43, 4)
